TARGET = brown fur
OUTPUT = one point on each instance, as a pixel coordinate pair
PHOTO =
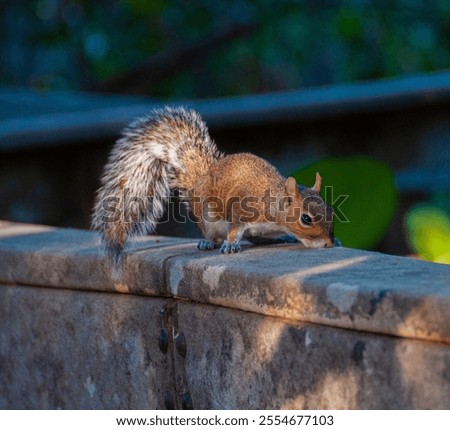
(239, 176)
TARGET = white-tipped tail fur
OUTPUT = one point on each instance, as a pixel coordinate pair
(169, 149)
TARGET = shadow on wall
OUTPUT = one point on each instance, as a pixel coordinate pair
(245, 360)
(64, 349)
(253, 361)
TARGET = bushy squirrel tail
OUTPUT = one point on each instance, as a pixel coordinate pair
(171, 148)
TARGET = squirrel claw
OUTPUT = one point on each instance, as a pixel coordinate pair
(230, 248)
(205, 245)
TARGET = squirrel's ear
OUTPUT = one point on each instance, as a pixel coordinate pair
(291, 187)
(318, 184)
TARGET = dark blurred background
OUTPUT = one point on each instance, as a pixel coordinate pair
(73, 73)
(235, 47)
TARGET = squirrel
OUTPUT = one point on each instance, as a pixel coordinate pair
(231, 197)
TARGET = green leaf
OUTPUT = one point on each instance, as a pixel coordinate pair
(428, 232)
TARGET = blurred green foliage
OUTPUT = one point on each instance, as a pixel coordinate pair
(362, 193)
(428, 232)
(75, 44)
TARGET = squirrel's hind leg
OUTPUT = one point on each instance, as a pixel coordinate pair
(230, 247)
(234, 236)
(214, 234)
(206, 245)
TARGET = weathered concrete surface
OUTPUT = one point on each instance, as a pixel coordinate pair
(85, 350)
(46, 256)
(78, 350)
(296, 328)
(235, 359)
(338, 287)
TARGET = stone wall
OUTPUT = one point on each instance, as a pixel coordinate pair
(271, 327)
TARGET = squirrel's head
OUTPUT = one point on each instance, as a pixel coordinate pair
(308, 217)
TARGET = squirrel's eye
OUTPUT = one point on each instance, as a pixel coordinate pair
(306, 219)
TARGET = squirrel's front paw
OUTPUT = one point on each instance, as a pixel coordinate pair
(230, 248)
(205, 245)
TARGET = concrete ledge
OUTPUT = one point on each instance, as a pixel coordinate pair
(338, 287)
(50, 257)
(271, 327)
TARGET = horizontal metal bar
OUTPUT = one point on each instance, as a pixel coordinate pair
(79, 120)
